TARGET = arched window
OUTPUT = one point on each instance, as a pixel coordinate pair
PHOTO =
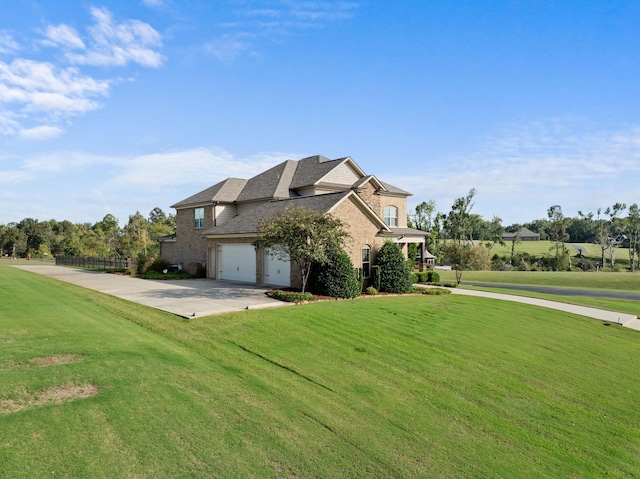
(391, 216)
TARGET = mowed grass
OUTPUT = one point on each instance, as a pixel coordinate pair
(608, 281)
(420, 386)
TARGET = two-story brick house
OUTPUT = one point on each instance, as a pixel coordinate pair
(217, 227)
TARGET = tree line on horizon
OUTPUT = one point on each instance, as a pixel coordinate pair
(105, 238)
(607, 227)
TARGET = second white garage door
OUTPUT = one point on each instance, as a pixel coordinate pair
(276, 271)
(237, 262)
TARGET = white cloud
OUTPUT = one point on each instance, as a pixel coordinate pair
(42, 132)
(63, 36)
(198, 166)
(7, 43)
(228, 47)
(117, 44)
(41, 87)
(36, 96)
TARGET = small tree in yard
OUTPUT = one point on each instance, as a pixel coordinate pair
(302, 236)
(459, 249)
(395, 276)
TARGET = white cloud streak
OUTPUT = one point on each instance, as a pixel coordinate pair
(271, 21)
(90, 186)
(7, 43)
(574, 167)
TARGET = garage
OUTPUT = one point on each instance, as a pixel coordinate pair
(237, 262)
(276, 271)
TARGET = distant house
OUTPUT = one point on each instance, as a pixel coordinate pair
(525, 234)
(218, 227)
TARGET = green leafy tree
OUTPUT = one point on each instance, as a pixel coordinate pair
(458, 251)
(160, 224)
(395, 275)
(302, 236)
(136, 240)
(607, 230)
(460, 256)
(558, 234)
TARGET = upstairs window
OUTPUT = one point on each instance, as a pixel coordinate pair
(391, 216)
(198, 218)
(366, 262)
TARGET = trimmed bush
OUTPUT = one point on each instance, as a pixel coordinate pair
(159, 265)
(395, 276)
(415, 278)
(291, 297)
(433, 277)
(337, 278)
(435, 291)
(371, 291)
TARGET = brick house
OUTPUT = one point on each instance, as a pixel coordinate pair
(217, 227)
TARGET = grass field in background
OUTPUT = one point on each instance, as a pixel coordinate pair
(420, 386)
(541, 248)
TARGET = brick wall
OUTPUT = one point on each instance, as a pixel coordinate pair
(190, 246)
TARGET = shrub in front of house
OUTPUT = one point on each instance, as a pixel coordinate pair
(371, 291)
(336, 278)
(291, 297)
(395, 276)
(375, 277)
(433, 277)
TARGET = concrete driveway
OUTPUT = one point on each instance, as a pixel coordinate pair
(189, 298)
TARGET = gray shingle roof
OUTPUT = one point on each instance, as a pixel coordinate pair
(310, 170)
(226, 191)
(281, 181)
(249, 221)
(394, 189)
(273, 183)
(408, 231)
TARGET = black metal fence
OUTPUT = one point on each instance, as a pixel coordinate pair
(93, 262)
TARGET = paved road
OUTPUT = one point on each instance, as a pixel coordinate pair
(560, 291)
(187, 298)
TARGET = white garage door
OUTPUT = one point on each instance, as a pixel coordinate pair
(276, 271)
(237, 262)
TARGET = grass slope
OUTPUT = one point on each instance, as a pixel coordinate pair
(384, 387)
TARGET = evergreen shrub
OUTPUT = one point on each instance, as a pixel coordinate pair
(395, 276)
(336, 278)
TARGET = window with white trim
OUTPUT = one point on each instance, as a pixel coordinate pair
(198, 218)
(391, 216)
(366, 262)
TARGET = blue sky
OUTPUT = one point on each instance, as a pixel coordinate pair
(117, 107)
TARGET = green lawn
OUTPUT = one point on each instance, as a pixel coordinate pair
(420, 386)
(623, 281)
(607, 281)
